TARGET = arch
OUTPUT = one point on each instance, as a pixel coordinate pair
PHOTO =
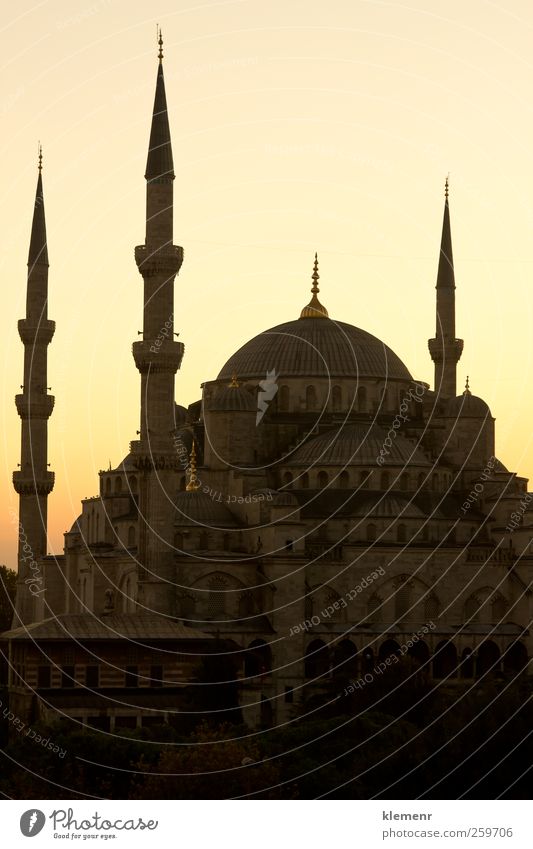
(388, 648)
(367, 659)
(257, 659)
(305, 481)
(488, 657)
(246, 604)
(316, 663)
(472, 607)
(132, 536)
(431, 607)
(287, 479)
(499, 608)
(401, 533)
(336, 399)
(178, 541)
(118, 485)
(404, 481)
(345, 658)
(203, 540)
(310, 398)
(97, 534)
(284, 398)
(188, 605)
(467, 663)
(371, 532)
(344, 480)
(133, 483)
(322, 479)
(421, 480)
(385, 480)
(419, 652)
(363, 479)
(435, 481)
(515, 657)
(445, 660)
(361, 399)
(402, 600)
(373, 607)
(216, 597)
(108, 486)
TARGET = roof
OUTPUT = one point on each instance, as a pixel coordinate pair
(468, 405)
(357, 444)
(316, 347)
(38, 253)
(159, 162)
(200, 509)
(115, 626)
(234, 398)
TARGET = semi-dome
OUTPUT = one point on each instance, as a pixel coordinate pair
(468, 406)
(389, 506)
(315, 347)
(197, 508)
(354, 445)
(233, 398)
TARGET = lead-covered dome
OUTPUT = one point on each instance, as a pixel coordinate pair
(197, 508)
(357, 444)
(315, 347)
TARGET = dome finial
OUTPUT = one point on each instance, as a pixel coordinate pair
(160, 42)
(314, 308)
(467, 386)
(40, 157)
(447, 186)
(234, 382)
(194, 483)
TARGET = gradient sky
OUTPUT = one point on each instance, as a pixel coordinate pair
(296, 127)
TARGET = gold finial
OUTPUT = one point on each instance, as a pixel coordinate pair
(234, 382)
(314, 308)
(447, 186)
(194, 483)
(160, 42)
(467, 386)
(40, 158)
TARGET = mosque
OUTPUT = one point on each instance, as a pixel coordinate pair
(314, 513)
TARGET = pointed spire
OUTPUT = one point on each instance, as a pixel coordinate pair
(194, 483)
(160, 163)
(314, 308)
(467, 386)
(445, 274)
(38, 253)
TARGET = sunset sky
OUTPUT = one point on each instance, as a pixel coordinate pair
(297, 127)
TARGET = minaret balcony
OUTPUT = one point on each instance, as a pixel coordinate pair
(35, 406)
(36, 332)
(164, 261)
(154, 357)
(444, 350)
(27, 484)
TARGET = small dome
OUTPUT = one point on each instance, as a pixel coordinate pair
(197, 508)
(180, 414)
(285, 499)
(468, 406)
(77, 527)
(233, 398)
(357, 445)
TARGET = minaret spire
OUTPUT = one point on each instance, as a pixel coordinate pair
(158, 357)
(33, 482)
(445, 349)
(314, 308)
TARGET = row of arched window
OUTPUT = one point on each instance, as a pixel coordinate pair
(365, 478)
(115, 486)
(339, 399)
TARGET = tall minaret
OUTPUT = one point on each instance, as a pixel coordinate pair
(34, 482)
(158, 358)
(445, 349)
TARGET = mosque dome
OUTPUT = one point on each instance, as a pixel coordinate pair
(196, 508)
(315, 345)
(233, 398)
(357, 445)
(468, 405)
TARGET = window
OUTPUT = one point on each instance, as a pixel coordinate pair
(323, 479)
(310, 398)
(401, 533)
(67, 676)
(371, 533)
(131, 537)
(344, 480)
(156, 676)
(404, 481)
(118, 485)
(92, 676)
(336, 399)
(108, 486)
(43, 677)
(432, 608)
(287, 479)
(178, 541)
(361, 399)
(385, 480)
(305, 481)
(289, 695)
(132, 676)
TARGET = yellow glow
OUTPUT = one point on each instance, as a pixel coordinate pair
(296, 127)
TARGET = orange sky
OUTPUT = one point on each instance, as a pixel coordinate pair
(296, 127)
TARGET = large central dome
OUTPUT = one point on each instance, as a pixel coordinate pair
(315, 347)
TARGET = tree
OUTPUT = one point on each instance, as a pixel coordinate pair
(8, 587)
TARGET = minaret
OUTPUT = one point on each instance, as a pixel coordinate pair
(158, 358)
(445, 349)
(34, 482)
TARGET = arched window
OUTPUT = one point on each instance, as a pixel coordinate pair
(203, 540)
(118, 485)
(445, 660)
(323, 479)
(373, 608)
(388, 648)
(385, 480)
(178, 541)
(421, 480)
(488, 658)
(499, 608)
(472, 609)
(336, 399)
(133, 484)
(216, 600)
(363, 479)
(344, 480)
(131, 536)
(305, 481)
(467, 664)
(97, 535)
(310, 398)
(515, 658)
(108, 486)
(402, 601)
(283, 398)
(361, 399)
(371, 532)
(287, 479)
(345, 659)
(404, 481)
(431, 608)
(435, 481)
(316, 659)
(401, 533)
(188, 606)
